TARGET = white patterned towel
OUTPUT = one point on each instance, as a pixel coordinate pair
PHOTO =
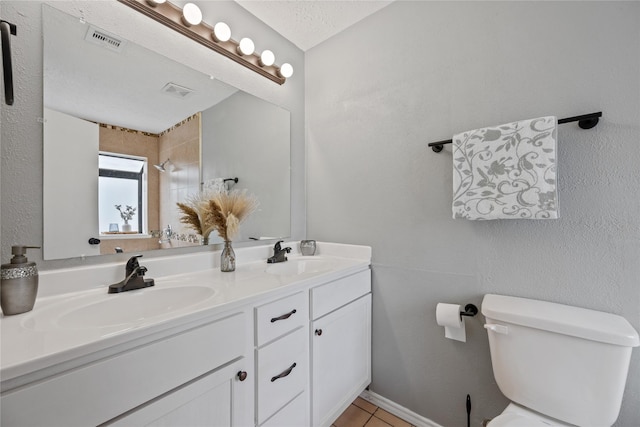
(506, 171)
(216, 185)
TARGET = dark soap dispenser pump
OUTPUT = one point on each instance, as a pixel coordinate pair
(19, 285)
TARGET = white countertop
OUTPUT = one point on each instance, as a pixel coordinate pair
(39, 339)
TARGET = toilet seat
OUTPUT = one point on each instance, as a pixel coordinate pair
(518, 416)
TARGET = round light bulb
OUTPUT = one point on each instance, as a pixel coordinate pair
(246, 46)
(267, 58)
(286, 70)
(191, 14)
(154, 3)
(221, 32)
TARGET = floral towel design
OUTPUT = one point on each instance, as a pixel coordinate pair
(216, 185)
(506, 171)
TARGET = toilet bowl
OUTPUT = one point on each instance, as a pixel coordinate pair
(559, 365)
(518, 416)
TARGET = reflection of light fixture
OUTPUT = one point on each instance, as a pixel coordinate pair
(221, 32)
(246, 46)
(267, 58)
(191, 15)
(160, 167)
(286, 70)
(188, 22)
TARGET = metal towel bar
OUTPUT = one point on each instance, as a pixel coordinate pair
(585, 121)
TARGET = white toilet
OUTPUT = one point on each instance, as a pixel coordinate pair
(559, 365)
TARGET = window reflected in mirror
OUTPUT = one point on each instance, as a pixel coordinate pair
(122, 193)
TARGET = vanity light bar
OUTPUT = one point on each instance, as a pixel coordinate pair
(172, 16)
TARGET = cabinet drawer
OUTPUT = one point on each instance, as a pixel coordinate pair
(279, 317)
(282, 372)
(326, 298)
(126, 380)
(295, 414)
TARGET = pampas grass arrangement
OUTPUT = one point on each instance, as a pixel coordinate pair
(218, 211)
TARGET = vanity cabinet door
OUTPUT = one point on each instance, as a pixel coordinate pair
(221, 398)
(341, 361)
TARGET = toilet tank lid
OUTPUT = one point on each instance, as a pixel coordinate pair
(564, 319)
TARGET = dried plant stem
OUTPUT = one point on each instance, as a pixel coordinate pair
(219, 211)
(190, 217)
(215, 220)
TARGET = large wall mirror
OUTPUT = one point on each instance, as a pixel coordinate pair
(128, 133)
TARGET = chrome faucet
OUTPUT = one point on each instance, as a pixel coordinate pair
(279, 253)
(133, 278)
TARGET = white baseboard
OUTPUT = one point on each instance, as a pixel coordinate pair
(397, 410)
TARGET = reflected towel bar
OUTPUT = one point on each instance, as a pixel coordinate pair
(585, 121)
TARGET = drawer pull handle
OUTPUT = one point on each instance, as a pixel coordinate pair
(284, 374)
(283, 317)
(318, 332)
(242, 375)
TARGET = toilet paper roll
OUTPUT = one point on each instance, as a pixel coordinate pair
(448, 315)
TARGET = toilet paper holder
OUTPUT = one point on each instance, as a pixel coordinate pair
(470, 310)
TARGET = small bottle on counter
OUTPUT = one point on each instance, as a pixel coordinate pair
(19, 285)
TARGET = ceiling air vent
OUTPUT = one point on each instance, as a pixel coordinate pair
(177, 90)
(104, 39)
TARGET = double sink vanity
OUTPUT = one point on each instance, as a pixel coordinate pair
(284, 344)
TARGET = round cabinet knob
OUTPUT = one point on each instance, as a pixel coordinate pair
(242, 375)
(318, 332)
(94, 241)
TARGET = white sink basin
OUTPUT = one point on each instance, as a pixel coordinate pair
(300, 266)
(107, 310)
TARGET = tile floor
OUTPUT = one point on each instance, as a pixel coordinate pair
(365, 414)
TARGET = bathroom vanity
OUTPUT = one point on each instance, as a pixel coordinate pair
(267, 345)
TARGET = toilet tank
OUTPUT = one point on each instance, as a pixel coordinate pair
(565, 362)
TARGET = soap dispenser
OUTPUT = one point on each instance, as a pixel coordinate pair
(19, 285)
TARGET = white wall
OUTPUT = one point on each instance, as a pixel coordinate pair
(257, 153)
(21, 184)
(375, 98)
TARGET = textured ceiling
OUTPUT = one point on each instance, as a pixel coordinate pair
(307, 23)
